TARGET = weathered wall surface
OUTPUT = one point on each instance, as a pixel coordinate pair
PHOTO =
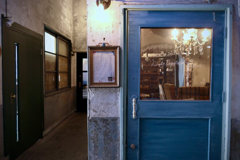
(62, 105)
(105, 131)
(103, 109)
(108, 27)
(79, 25)
(33, 14)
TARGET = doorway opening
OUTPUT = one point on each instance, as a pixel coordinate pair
(82, 79)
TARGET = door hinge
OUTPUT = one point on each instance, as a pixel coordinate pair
(41, 51)
(225, 32)
(223, 97)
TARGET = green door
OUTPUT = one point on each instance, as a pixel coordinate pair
(22, 88)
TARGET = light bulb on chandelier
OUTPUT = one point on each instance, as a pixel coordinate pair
(189, 41)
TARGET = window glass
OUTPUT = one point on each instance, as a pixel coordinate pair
(175, 63)
(63, 80)
(63, 48)
(63, 63)
(84, 92)
(50, 62)
(85, 78)
(50, 43)
(85, 64)
(50, 81)
(57, 61)
(103, 67)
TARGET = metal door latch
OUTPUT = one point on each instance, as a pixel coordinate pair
(12, 97)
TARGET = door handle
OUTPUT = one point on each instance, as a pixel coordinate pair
(133, 146)
(12, 97)
(134, 114)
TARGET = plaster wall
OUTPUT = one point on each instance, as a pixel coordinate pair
(109, 27)
(79, 25)
(33, 14)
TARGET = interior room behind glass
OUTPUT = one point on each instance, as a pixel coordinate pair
(175, 63)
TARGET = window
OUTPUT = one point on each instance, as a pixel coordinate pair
(84, 77)
(57, 62)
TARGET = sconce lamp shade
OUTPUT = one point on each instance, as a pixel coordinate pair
(105, 3)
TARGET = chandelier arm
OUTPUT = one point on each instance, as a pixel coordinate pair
(201, 44)
(176, 42)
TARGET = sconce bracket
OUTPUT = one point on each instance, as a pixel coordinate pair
(105, 3)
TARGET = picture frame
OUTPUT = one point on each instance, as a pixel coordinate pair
(103, 63)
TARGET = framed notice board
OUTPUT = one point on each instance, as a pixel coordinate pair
(103, 66)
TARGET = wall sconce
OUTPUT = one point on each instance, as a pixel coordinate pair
(105, 3)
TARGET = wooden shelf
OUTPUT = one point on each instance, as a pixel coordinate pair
(149, 73)
(149, 81)
(144, 89)
(159, 57)
(150, 66)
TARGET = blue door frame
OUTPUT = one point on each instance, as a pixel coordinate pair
(227, 67)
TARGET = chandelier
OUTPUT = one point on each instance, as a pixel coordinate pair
(190, 42)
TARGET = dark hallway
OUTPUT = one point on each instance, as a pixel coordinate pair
(68, 141)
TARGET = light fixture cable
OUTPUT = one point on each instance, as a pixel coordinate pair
(6, 8)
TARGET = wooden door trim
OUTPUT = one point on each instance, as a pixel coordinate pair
(227, 82)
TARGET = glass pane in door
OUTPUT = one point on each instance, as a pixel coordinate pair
(175, 63)
(84, 64)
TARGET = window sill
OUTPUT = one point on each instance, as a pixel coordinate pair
(56, 92)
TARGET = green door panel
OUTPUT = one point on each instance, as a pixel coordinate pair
(30, 88)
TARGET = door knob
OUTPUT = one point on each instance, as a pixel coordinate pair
(133, 146)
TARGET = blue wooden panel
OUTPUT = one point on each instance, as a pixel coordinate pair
(188, 138)
(176, 109)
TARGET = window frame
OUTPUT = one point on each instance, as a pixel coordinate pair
(57, 72)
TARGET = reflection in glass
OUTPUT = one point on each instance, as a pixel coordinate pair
(16, 91)
(103, 67)
(50, 81)
(85, 77)
(85, 64)
(63, 63)
(50, 43)
(50, 62)
(63, 80)
(175, 63)
(84, 92)
(63, 48)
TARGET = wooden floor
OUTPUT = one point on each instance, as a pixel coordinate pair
(68, 141)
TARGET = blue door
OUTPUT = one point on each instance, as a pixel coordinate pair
(175, 84)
